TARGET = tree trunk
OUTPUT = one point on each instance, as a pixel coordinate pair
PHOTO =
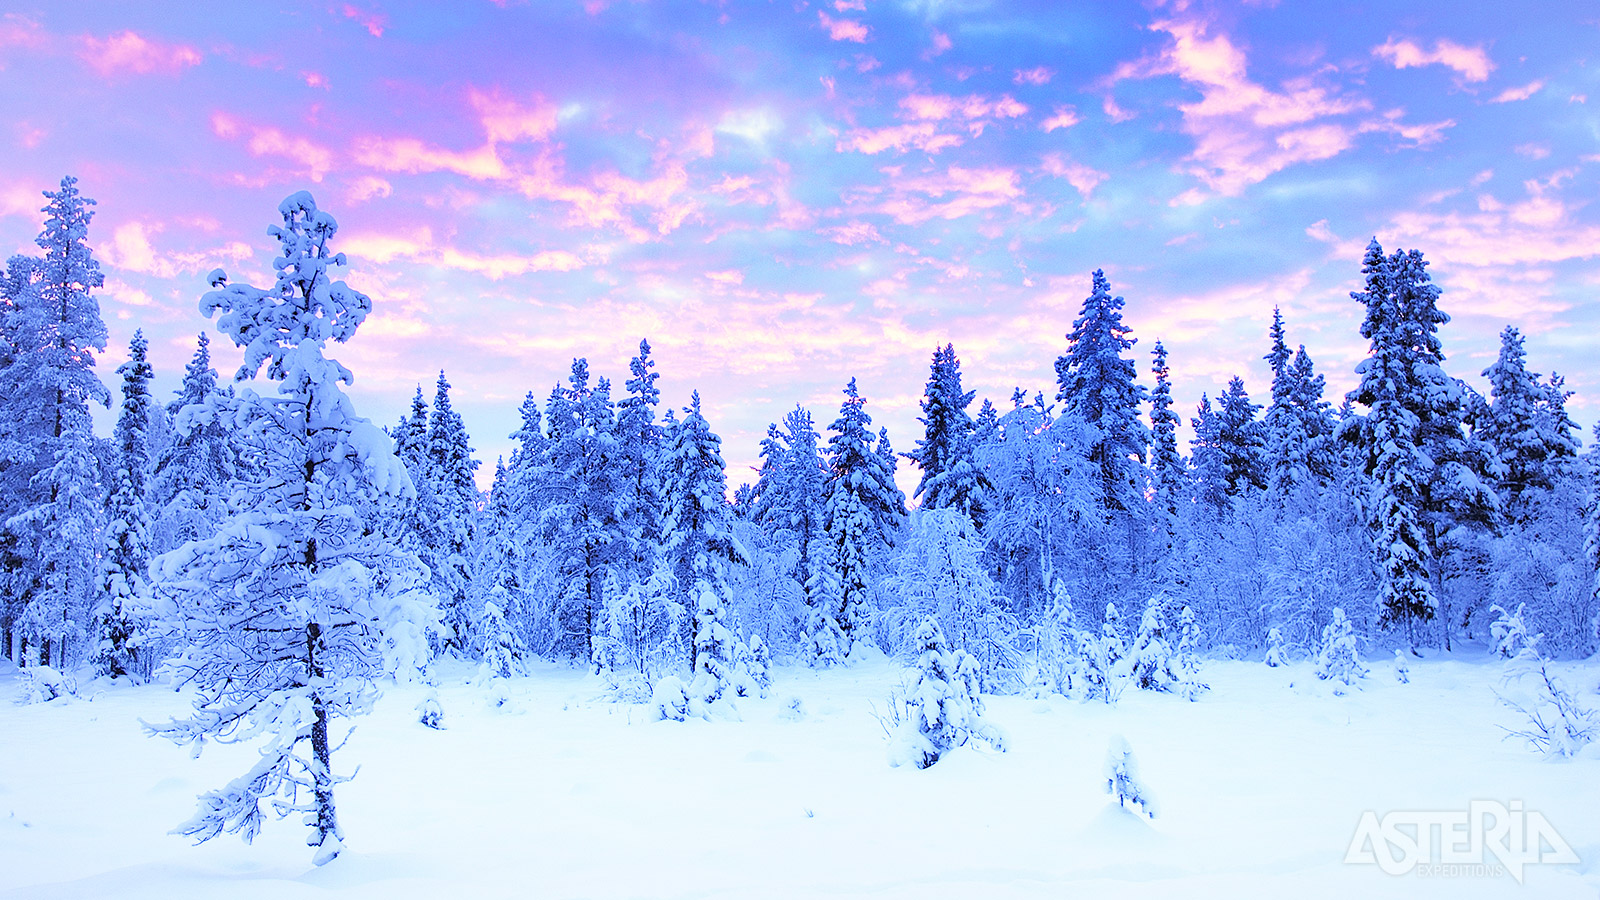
(327, 823)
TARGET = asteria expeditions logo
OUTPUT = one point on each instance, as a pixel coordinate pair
(1489, 838)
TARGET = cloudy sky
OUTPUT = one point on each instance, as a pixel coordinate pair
(781, 196)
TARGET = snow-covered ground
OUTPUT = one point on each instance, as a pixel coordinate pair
(1261, 785)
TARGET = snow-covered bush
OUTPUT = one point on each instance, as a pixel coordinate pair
(670, 699)
(751, 668)
(1402, 669)
(1339, 654)
(41, 684)
(1122, 779)
(1510, 632)
(938, 572)
(1103, 662)
(1150, 659)
(429, 712)
(1557, 725)
(1055, 646)
(941, 708)
(1277, 648)
(639, 639)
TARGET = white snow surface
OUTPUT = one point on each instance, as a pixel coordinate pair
(561, 793)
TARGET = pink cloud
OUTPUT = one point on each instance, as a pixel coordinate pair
(1245, 132)
(507, 121)
(315, 79)
(943, 106)
(1080, 176)
(1511, 95)
(373, 20)
(421, 247)
(128, 51)
(854, 234)
(941, 44)
(1472, 63)
(969, 191)
(1064, 117)
(843, 29)
(314, 159)
(726, 277)
(923, 136)
(1035, 75)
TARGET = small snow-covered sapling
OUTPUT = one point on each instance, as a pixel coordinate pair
(1122, 778)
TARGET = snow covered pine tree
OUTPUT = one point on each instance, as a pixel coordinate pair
(296, 605)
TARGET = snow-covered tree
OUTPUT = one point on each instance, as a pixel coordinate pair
(939, 574)
(1207, 456)
(455, 497)
(1428, 490)
(188, 488)
(125, 590)
(1150, 659)
(1339, 653)
(941, 708)
(950, 475)
(294, 608)
(51, 506)
(1523, 428)
(864, 511)
(1297, 423)
(1122, 779)
(697, 535)
(639, 444)
(1240, 441)
(65, 534)
(1098, 386)
(1167, 470)
(577, 505)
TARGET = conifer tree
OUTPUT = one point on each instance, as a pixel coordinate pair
(950, 476)
(298, 604)
(864, 510)
(127, 534)
(455, 495)
(54, 329)
(1167, 468)
(579, 516)
(1096, 384)
(1239, 440)
(188, 488)
(698, 535)
(639, 440)
(1523, 424)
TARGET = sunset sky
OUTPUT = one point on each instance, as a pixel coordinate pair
(781, 196)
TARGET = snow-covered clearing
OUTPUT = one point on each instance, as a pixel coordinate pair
(562, 793)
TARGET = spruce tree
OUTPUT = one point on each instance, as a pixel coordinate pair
(1167, 467)
(455, 495)
(698, 535)
(1240, 441)
(1428, 473)
(1096, 384)
(127, 534)
(864, 510)
(188, 488)
(950, 477)
(639, 442)
(54, 330)
(580, 516)
(1523, 424)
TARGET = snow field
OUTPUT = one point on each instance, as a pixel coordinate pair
(563, 793)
